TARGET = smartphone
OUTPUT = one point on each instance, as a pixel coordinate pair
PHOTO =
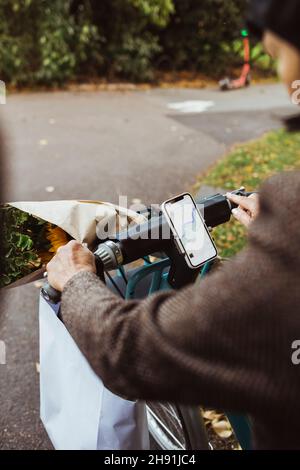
(189, 230)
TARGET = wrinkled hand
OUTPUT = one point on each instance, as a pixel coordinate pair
(68, 261)
(248, 208)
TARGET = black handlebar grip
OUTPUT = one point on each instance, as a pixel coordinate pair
(50, 294)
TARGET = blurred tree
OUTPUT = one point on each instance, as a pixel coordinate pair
(16, 39)
(40, 42)
(196, 33)
(44, 42)
(158, 11)
(129, 42)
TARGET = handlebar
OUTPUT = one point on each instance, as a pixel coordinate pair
(154, 234)
(150, 237)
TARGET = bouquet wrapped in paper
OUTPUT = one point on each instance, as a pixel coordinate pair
(32, 232)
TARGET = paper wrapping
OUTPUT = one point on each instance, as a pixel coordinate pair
(82, 220)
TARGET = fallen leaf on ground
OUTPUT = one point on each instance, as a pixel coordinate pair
(211, 415)
(222, 428)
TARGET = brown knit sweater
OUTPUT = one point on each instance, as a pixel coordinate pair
(224, 342)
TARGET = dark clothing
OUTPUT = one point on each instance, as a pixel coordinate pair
(281, 17)
(224, 342)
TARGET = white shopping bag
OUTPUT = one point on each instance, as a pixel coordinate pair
(78, 412)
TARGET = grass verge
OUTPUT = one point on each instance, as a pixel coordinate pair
(249, 165)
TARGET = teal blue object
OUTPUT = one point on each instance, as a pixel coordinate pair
(157, 281)
(242, 429)
(121, 271)
(205, 269)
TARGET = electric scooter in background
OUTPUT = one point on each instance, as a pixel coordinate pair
(245, 78)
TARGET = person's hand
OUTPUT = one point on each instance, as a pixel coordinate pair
(248, 208)
(68, 261)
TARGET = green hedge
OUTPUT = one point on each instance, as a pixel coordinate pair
(43, 42)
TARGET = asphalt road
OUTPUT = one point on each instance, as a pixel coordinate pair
(98, 146)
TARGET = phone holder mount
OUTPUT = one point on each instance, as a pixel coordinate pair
(180, 274)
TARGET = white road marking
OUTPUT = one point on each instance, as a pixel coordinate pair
(195, 106)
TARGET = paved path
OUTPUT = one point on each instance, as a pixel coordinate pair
(97, 146)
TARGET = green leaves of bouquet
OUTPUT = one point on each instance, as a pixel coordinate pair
(24, 239)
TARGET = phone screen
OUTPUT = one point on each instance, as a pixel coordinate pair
(190, 230)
